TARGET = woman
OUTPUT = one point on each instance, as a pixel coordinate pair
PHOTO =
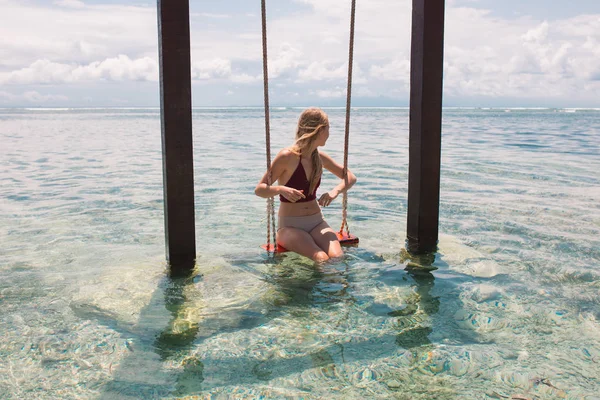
(298, 170)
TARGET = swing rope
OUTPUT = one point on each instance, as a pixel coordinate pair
(270, 200)
(347, 127)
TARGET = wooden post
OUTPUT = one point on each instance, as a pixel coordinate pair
(176, 126)
(426, 74)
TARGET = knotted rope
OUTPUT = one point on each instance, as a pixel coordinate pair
(270, 200)
(347, 127)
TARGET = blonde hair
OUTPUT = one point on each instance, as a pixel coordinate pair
(310, 123)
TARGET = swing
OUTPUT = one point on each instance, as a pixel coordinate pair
(345, 237)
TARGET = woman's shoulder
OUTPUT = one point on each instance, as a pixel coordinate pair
(324, 155)
(287, 155)
(328, 161)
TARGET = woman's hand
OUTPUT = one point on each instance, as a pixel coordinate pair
(328, 197)
(291, 194)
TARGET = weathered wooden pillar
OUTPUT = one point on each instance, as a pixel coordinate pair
(176, 125)
(426, 73)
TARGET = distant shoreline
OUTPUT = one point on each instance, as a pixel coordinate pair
(283, 108)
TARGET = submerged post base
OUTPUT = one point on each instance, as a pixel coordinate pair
(181, 267)
(423, 246)
(423, 261)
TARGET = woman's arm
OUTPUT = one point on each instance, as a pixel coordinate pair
(263, 189)
(337, 170)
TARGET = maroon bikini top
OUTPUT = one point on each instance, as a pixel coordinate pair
(299, 181)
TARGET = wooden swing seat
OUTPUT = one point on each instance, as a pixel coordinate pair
(346, 239)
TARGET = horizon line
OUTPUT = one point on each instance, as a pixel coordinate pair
(291, 107)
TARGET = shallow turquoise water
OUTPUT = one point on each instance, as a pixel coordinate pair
(88, 312)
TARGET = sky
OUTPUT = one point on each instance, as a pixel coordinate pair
(103, 53)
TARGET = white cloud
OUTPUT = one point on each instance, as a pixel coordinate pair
(41, 71)
(521, 58)
(285, 59)
(30, 32)
(30, 97)
(219, 68)
(245, 78)
(210, 15)
(318, 71)
(70, 3)
(382, 28)
(114, 69)
(395, 70)
(456, 3)
(6, 96)
(35, 97)
(120, 68)
(211, 69)
(336, 92)
(537, 34)
(524, 63)
(72, 42)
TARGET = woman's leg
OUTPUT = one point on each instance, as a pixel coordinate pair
(301, 242)
(327, 240)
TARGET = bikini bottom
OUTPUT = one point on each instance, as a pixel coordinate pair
(306, 222)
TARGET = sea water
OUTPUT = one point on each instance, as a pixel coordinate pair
(510, 306)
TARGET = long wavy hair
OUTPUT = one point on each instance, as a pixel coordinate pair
(310, 123)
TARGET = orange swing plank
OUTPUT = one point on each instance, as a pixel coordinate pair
(345, 239)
